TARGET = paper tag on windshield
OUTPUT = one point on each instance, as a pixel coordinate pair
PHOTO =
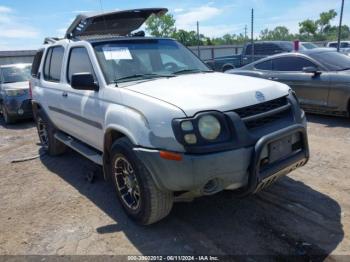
(116, 53)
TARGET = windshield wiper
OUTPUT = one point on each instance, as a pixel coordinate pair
(140, 76)
(185, 71)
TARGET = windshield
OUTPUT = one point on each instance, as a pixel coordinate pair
(130, 60)
(334, 61)
(15, 74)
(309, 45)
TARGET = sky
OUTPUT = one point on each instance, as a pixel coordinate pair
(25, 23)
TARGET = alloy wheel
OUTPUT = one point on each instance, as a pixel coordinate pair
(127, 183)
(43, 133)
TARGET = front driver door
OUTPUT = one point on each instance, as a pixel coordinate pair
(312, 90)
(82, 108)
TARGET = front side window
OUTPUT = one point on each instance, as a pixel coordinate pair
(79, 62)
(290, 64)
(53, 64)
(131, 60)
(13, 74)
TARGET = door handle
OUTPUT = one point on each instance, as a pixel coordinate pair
(273, 78)
(65, 94)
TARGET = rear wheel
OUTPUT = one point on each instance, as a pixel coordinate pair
(46, 133)
(141, 199)
(7, 118)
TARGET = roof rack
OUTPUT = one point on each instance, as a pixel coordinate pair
(51, 40)
(117, 23)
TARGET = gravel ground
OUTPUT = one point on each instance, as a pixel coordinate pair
(47, 207)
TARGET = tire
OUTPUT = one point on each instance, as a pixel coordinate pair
(46, 133)
(148, 204)
(7, 118)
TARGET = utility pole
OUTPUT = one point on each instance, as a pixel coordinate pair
(340, 24)
(198, 42)
(252, 34)
(245, 32)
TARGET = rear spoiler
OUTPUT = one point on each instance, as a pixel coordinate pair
(119, 23)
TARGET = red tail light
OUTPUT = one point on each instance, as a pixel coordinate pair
(30, 90)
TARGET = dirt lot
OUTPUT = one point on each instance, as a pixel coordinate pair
(47, 207)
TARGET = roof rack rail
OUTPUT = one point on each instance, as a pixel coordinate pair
(117, 23)
(51, 40)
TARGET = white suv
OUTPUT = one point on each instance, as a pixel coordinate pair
(164, 127)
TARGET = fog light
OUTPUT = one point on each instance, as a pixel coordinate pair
(191, 139)
(20, 111)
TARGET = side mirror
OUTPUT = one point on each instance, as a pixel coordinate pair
(84, 81)
(311, 70)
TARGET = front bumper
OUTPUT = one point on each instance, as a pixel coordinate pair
(240, 169)
(19, 107)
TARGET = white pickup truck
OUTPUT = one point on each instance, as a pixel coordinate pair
(164, 127)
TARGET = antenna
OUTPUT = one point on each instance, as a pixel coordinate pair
(101, 5)
(252, 34)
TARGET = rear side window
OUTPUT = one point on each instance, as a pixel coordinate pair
(53, 64)
(291, 64)
(36, 63)
(79, 62)
(266, 65)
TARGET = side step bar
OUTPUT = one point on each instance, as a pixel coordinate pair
(90, 153)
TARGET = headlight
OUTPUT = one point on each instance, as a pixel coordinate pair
(209, 127)
(15, 92)
(204, 132)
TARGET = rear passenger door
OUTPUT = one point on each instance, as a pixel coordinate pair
(82, 108)
(49, 80)
(312, 90)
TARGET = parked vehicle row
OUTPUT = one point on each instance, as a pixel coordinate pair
(261, 49)
(320, 77)
(163, 126)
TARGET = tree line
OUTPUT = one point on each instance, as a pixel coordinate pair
(320, 29)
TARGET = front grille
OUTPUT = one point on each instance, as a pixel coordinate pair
(262, 107)
(247, 113)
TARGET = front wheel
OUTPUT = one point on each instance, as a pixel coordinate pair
(141, 199)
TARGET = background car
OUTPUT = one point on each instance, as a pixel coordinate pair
(14, 92)
(344, 46)
(320, 77)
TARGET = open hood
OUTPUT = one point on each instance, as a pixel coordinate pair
(120, 23)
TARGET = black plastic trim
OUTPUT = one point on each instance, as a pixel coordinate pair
(256, 175)
(76, 117)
